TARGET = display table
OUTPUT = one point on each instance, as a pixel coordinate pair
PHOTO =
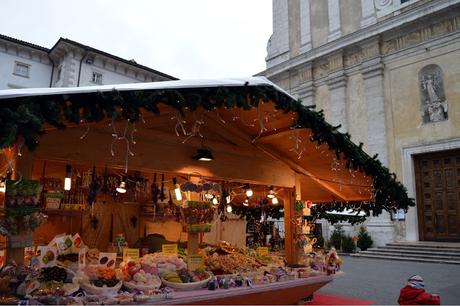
(283, 293)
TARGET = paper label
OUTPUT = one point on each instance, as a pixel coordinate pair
(82, 258)
(195, 262)
(107, 260)
(262, 251)
(130, 254)
(46, 256)
(64, 244)
(2, 258)
(169, 249)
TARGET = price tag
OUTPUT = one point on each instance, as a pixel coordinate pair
(262, 251)
(169, 249)
(132, 254)
(195, 262)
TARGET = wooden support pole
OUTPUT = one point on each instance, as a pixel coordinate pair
(289, 228)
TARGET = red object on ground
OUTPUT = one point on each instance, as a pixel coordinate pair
(414, 296)
(328, 299)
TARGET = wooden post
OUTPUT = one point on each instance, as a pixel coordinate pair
(289, 228)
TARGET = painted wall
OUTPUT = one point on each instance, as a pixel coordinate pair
(39, 73)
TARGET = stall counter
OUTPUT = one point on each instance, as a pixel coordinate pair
(282, 293)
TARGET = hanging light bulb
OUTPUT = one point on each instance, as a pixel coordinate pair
(275, 201)
(177, 190)
(246, 202)
(271, 193)
(229, 208)
(122, 187)
(215, 201)
(208, 196)
(249, 192)
(228, 199)
(68, 179)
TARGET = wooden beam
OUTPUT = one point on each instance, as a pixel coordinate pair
(165, 154)
(302, 170)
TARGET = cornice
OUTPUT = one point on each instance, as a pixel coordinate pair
(363, 34)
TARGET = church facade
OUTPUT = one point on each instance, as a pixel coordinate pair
(387, 71)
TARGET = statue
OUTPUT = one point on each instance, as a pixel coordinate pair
(434, 104)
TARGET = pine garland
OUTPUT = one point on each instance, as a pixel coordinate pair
(25, 116)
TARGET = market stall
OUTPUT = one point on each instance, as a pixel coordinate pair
(126, 192)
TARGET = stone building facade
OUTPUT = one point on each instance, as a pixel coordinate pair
(388, 71)
(67, 64)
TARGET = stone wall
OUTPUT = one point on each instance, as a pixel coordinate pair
(372, 87)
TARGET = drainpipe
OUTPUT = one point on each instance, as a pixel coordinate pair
(52, 70)
(79, 70)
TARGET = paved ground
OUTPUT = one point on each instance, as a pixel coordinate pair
(380, 280)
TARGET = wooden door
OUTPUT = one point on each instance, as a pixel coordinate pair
(438, 195)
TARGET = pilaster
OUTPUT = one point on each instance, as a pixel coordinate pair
(368, 13)
(337, 83)
(305, 34)
(381, 228)
(334, 20)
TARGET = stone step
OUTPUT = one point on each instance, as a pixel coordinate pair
(420, 249)
(416, 251)
(397, 258)
(413, 255)
(455, 247)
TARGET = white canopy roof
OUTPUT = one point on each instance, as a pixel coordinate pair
(180, 84)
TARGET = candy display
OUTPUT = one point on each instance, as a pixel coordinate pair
(54, 281)
(186, 280)
(98, 280)
(140, 275)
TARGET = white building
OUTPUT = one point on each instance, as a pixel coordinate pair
(66, 64)
(388, 71)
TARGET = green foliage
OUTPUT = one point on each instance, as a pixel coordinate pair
(298, 206)
(24, 117)
(364, 239)
(336, 238)
(348, 245)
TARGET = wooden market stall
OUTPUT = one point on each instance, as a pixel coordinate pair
(152, 135)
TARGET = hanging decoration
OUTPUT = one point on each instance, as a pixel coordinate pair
(25, 117)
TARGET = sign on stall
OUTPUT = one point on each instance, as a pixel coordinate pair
(262, 251)
(132, 254)
(169, 249)
(195, 262)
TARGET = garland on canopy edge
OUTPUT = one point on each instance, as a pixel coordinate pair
(25, 117)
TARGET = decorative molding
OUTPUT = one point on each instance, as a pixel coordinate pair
(305, 73)
(420, 35)
(353, 58)
(336, 61)
(382, 4)
(321, 70)
(386, 25)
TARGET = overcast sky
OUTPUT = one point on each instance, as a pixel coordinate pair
(183, 38)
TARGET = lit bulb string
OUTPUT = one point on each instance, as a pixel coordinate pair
(196, 128)
(127, 137)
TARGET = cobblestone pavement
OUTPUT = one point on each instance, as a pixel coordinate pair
(380, 280)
